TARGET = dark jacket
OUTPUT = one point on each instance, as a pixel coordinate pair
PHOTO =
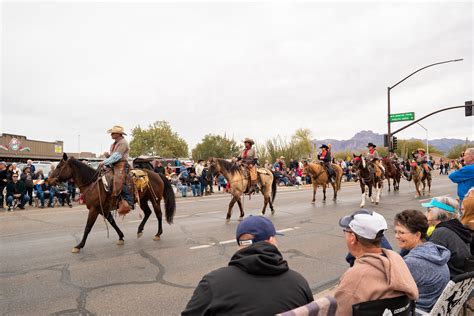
(16, 188)
(160, 169)
(456, 237)
(3, 178)
(27, 179)
(256, 282)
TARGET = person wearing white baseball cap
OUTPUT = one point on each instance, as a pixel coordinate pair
(377, 273)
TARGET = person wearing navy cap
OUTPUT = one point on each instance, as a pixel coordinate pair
(257, 280)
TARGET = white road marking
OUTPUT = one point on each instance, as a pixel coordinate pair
(200, 247)
(230, 241)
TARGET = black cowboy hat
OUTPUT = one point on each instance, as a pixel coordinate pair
(324, 146)
(371, 145)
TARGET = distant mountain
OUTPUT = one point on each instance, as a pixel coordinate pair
(360, 140)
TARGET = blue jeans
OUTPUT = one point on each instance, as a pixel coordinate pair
(196, 189)
(183, 189)
(23, 201)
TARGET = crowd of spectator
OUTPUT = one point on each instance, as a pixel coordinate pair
(30, 186)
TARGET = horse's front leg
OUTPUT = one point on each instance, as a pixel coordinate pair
(362, 188)
(241, 207)
(315, 188)
(334, 198)
(147, 212)
(229, 211)
(91, 218)
(111, 220)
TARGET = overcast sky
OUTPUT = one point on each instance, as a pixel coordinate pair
(245, 69)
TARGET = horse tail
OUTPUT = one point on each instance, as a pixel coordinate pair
(170, 201)
(274, 187)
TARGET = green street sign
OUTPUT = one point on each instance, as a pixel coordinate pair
(398, 117)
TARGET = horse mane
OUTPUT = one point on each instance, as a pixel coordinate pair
(233, 168)
(86, 172)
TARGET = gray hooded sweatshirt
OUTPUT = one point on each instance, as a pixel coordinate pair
(428, 265)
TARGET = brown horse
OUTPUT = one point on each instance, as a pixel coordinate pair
(320, 177)
(368, 179)
(420, 177)
(392, 172)
(238, 184)
(99, 201)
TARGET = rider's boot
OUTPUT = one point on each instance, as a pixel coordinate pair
(123, 207)
(127, 196)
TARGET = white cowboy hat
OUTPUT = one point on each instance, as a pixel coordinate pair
(248, 140)
(116, 129)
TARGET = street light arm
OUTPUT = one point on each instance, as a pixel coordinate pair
(443, 62)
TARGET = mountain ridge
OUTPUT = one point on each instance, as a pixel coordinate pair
(360, 140)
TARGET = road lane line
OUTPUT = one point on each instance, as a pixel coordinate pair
(201, 247)
(230, 241)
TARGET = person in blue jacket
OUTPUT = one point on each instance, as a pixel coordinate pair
(464, 177)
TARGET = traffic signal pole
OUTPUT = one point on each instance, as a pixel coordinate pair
(428, 115)
(390, 88)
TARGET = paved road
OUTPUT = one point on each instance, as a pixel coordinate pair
(40, 276)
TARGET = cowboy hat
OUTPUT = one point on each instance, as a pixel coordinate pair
(371, 145)
(116, 129)
(282, 157)
(248, 140)
(422, 149)
(324, 146)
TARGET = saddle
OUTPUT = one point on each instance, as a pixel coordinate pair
(134, 179)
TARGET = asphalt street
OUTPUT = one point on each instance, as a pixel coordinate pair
(40, 276)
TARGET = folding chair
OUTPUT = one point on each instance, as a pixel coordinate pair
(453, 297)
(396, 306)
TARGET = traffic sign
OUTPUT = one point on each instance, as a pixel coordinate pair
(398, 117)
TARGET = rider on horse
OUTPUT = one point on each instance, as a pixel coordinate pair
(118, 160)
(248, 158)
(373, 157)
(325, 157)
(422, 160)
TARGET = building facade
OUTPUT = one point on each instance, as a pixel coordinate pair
(19, 149)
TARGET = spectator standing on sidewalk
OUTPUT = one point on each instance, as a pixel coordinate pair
(257, 280)
(27, 178)
(3, 182)
(464, 177)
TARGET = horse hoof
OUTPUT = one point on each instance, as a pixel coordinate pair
(75, 250)
(156, 238)
(273, 212)
(241, 217)
(140, 234)
(120, 242)
(312, 202)
(376, 203)
(227, 221)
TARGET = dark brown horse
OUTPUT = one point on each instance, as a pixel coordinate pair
(392, 172)
(238, 184)
(368, 179)
(98, 201)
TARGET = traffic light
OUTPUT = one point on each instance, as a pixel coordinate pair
(468, 108)
(394, 143)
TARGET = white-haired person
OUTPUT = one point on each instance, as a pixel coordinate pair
(449, 231)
